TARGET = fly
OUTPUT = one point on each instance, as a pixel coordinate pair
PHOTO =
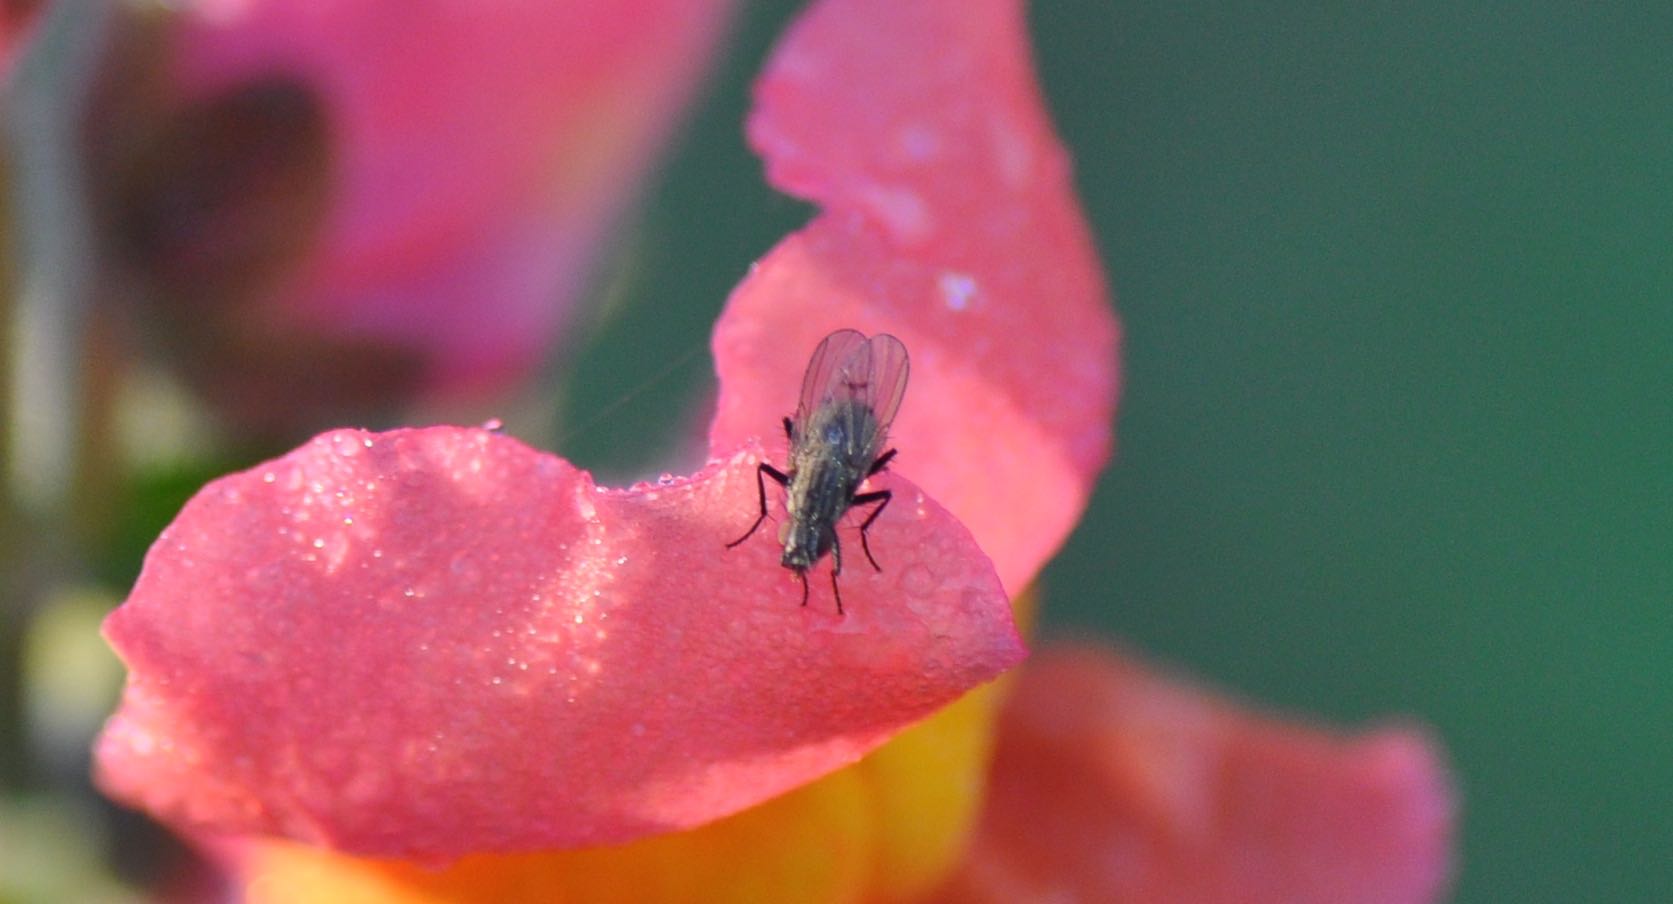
(850, 393)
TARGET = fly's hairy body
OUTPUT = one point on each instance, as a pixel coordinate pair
(850, 393)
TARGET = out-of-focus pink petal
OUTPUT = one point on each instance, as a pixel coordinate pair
(949, 219)
(475, 155)
(433, 642)
(1111, 783)
(480, 150)
(17, 21)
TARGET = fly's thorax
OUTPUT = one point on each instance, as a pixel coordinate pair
(844, 430)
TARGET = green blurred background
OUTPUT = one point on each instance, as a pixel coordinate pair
(1397, 434)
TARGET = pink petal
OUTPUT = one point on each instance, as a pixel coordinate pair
(950, 221)
(433, 642)
(1111, 783)
(477, 153)
(17, 25)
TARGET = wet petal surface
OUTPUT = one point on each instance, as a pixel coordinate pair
(432, 642)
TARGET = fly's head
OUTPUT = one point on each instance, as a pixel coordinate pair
(804, 543)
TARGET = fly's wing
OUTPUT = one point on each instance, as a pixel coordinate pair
(824, 380)
(886, 372)
(852, 390)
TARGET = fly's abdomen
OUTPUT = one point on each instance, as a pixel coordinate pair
(819, 493)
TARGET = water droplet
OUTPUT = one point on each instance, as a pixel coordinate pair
(958, 290)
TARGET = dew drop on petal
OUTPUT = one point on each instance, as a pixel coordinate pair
(957, 290)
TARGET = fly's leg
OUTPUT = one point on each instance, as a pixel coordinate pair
(881, 497)
(881, 463)
(790, 431)
(801, 573)
(762, 472)
(836, 569)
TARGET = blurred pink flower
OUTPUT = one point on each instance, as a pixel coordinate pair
(439, 642)
(1113, 783)
(330, 206)
(17, 24)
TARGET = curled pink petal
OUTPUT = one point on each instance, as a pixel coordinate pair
(432, 642)
(949, 221)
(1111, 783)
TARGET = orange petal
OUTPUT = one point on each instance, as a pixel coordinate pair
(1112, 783)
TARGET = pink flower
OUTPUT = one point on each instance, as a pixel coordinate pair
(331, 204)
(442, 646)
